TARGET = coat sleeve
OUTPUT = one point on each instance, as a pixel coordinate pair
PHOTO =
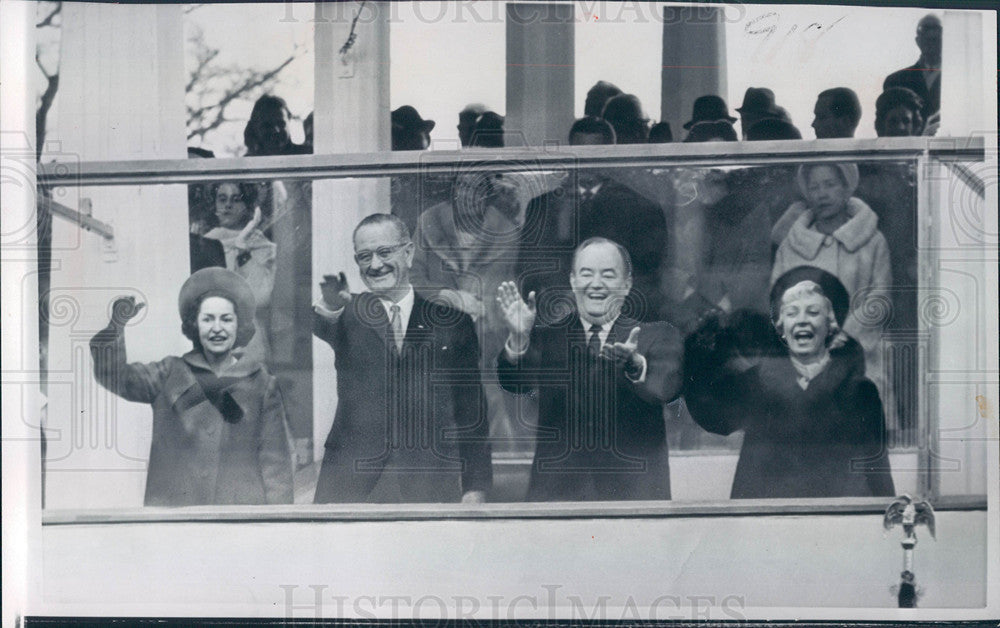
(470, 412)
(663, 364)
(871, 434)
(515, 376)
(133, 382)
(856, 324)
(325, 327)
(781, 262)
(420, 271)
(259, 270)
(274, 454)
(716, 397)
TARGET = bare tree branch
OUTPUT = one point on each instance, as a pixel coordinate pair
(48, 18)
(212, 88)
(191, 8)
(42, 113)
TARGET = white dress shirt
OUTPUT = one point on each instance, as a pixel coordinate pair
(513, 355)
(405, 309)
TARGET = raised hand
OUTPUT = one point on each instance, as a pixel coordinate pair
(517, 313)
(626, 353)
(123, 310)
(336, 294)
(241, 239)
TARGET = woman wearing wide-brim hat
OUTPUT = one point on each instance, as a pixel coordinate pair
(219, 433)
(813, 423)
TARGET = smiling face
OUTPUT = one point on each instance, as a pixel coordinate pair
(804, 320)
(230, 207)
(387, 273)
(828, 193)
(217, 326)
(600, 282)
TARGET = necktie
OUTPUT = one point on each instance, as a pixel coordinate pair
(396, 327)
(594, 344)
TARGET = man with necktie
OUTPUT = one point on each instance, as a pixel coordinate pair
(410, 425)
(592, 203)
(601, 382)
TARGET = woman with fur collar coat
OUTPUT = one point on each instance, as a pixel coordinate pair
(838, 232)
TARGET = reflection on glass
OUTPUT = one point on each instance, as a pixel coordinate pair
(563, 365)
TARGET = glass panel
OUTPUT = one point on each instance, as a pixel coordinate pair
(570, 419)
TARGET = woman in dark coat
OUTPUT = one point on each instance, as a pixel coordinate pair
(219, 433)
(813, 423)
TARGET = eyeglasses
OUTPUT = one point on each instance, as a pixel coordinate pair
(383, 252)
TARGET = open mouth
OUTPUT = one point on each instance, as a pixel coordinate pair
(803, 335)
(377, 274)
(218, 338)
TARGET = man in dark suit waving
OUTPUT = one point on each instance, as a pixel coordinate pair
(601, 381)
(409, 425)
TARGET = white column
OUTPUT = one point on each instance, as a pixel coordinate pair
(694, 61)
(352, 115)
(20, 390)
(121, 97)
(968, 90)
(540, 77)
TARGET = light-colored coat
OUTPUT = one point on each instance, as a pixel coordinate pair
(857, 254)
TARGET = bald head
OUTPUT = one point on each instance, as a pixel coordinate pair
(929, 40)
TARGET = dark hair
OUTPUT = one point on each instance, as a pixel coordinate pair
(660, 133)
(624, 112)
(773, 129)
(894, 97)
(597, 97)
(381, 219)
(709, 130)
(249, 192)
(189, 319)
(843, 102)
(488, 131)
(264, 104)
(622, 251)
(592, 125)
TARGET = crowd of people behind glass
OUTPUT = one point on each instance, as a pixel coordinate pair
(721, 258)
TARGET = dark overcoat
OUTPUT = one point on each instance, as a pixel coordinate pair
(416, 414)
(601, 436)
(825, 441)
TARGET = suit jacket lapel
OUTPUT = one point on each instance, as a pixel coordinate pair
(372, 315)
(419, 319)
(621, 329)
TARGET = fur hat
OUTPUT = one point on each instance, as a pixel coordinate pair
(218, 282)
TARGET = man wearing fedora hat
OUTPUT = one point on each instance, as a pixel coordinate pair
(219, 433)
(759, 104)
(409, 130)
(709, 108)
